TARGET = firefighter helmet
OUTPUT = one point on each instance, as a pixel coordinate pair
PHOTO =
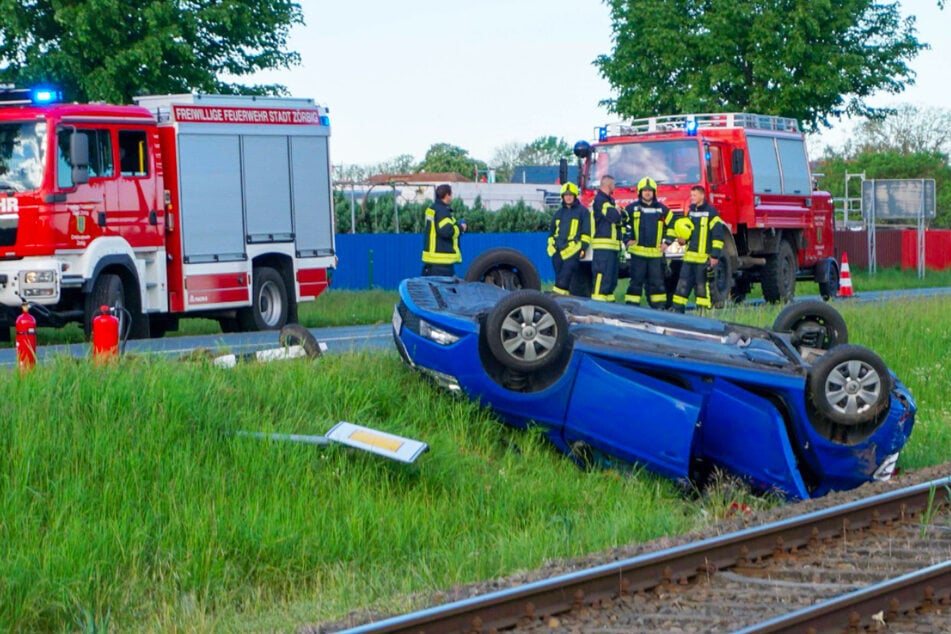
(569, 188)
(683, 228)
(646, 183)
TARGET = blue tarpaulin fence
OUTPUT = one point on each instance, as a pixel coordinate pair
(383, 260)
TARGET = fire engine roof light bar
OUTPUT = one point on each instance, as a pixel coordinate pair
(678, 123)
(36, 96)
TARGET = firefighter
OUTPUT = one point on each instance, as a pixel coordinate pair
(645, 244)
(569, 238)
(441, 236)
(605, 241)
(701, 231)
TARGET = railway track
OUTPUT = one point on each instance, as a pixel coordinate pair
(861, 566)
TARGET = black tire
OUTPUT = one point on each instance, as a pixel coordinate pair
(722, 282)
(269, 302)
(107, 290)
(741, 288)
(527, 331)
(830, 288)
(812, 324)
(779, 275)
(849, 385)
(297, 335)
(160, 325)
(505, 268)
(229, 324)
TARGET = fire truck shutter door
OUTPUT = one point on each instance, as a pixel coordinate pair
(267, 188)
(313, 219)
(210, 177)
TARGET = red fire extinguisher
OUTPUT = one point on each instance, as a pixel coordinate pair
(26, 339)
(105, 335)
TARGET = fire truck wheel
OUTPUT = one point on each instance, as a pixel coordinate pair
(722, 282)
(229, 324)
(297, 335)
(779, 274)
(107, 290)
(269, 306)
(830, 287)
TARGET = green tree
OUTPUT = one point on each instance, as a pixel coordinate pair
(805, 59)
(892, 164)
(113, 50)
(504, 159)
(444, 157)
(545, 150)
(907, 130)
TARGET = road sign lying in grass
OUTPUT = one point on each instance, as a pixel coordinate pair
(378, 442)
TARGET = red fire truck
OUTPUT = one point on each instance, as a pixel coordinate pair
(756, 174)
(180, 205)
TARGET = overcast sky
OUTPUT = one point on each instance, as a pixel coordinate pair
(400, 75)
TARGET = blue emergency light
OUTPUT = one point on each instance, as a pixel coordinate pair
(602, 133)
(324, 120)
(45, 95)
(690, 126)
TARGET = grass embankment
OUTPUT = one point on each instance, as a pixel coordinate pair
(125, 507)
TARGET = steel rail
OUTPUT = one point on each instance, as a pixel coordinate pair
(891, 598)
(507, 608)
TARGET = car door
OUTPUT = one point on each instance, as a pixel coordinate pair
(633, 416)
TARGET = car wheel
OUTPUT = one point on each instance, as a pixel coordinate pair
(849, 385)
(779, 274)
(269, 302)
(812, 324)
(297, 335)
(526, 331)
(505, 268)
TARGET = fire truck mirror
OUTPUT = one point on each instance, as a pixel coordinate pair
(562, 171)
(738, 158)
(79, 157)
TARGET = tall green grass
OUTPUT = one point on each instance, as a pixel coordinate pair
(125, 504)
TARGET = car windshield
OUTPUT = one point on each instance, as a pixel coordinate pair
(22, 148)
(675, 162)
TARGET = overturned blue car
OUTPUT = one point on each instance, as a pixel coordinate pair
(795, 409)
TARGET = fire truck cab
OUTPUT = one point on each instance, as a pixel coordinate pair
(756, 173)
(180, 205)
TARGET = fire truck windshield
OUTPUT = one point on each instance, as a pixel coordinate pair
(674, 162)
(22, 152)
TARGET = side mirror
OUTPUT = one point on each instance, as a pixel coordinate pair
(738, 158)
(562, 171)
(79, 157)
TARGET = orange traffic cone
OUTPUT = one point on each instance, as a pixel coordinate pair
(845, 278)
